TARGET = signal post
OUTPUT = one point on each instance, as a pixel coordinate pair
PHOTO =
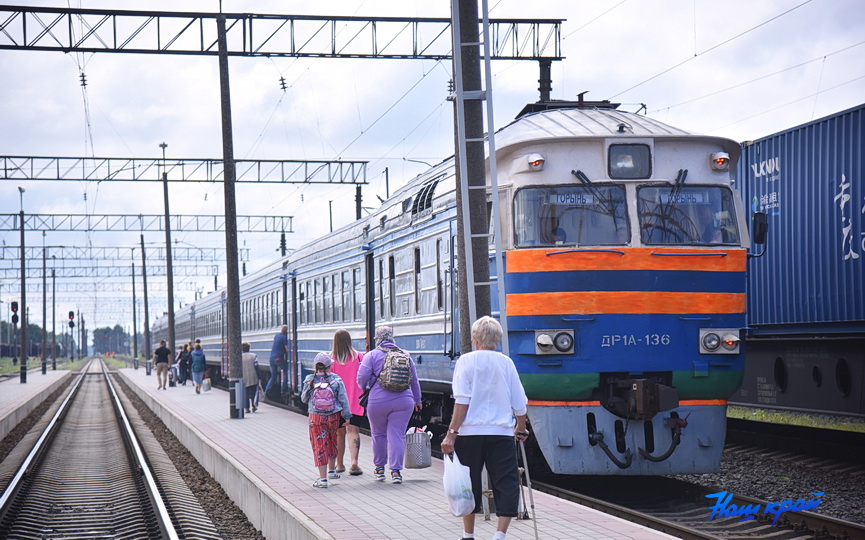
(71, 336)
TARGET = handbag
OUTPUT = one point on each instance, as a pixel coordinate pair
(205, 385)
(458, 486)
(364, 397)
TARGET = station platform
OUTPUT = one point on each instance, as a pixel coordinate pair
(18, 400)
(264, 463)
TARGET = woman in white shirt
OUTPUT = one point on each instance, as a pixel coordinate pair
(489, 411)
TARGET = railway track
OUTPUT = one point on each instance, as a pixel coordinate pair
(683, 510)
(88, 469)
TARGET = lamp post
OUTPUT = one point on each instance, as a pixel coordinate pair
(25, 350)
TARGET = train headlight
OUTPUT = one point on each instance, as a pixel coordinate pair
(719, 341)
(720, 161)
(536, 162)
(564, 342)
(544, 342)
(711, 341)
(730, 342)
(554, 341)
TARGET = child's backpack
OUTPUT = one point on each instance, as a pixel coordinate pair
(323, 398)
(396, 370)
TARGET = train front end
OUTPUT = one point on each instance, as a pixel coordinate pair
(625, 289)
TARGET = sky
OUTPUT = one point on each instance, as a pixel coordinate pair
(741, 69)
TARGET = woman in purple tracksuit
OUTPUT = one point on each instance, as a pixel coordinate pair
(388, 412)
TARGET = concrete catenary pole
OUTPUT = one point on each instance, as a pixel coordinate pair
(169, 271)
(148, 359)
(25, 349)
(233, 349)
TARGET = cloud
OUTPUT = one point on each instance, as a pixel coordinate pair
(739, 57)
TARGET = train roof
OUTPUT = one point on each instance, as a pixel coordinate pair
(588, 123)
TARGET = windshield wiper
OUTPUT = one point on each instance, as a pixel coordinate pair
(581, 176)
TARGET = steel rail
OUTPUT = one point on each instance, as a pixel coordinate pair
(162, 513)
(140, 462)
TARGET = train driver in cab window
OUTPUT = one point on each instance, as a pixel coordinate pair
(710, 229)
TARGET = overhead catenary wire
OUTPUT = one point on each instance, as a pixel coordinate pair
(781, 106)
(760, 78)
(712, 48)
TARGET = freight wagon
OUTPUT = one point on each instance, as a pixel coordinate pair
(805, 345)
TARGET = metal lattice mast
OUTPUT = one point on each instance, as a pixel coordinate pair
(471, 89)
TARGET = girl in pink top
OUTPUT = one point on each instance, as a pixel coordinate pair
(346, 362)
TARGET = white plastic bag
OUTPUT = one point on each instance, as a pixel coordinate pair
(458, 486)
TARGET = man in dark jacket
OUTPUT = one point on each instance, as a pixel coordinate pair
(161, 357)
(278, 362)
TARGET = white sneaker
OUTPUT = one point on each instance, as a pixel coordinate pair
(320, 483)
(332, 475)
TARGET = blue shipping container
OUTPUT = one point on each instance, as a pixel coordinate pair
(809, 180)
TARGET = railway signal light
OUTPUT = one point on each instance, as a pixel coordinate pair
(71, 319)
(14, 306)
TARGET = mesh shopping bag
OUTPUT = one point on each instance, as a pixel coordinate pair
(418, 450)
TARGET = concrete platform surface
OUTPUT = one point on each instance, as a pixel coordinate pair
(264, 462)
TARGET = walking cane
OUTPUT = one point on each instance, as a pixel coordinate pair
(529, 485)
(524, 513)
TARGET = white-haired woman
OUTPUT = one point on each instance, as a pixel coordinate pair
(489, 411)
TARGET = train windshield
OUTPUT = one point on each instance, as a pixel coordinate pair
(570, 215)
(687, 215)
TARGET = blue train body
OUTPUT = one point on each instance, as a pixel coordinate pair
(625, 254)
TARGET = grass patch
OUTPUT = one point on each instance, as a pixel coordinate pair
(816, 420)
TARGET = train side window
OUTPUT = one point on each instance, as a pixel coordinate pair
(358, 294)
(629, 161)
(301, 304)
(317, 297)
(346, 297)
(417, 280)
(326, 298)
(391, 266)
(308, 301)
(335, 297)
(256, 322)
(439, 283)
(381, 288)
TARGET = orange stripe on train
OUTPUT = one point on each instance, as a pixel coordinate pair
(682, 403)
(619, 302)
(537, 260)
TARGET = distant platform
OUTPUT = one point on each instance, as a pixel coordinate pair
(18, 400)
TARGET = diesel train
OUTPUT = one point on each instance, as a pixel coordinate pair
(625, 246)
